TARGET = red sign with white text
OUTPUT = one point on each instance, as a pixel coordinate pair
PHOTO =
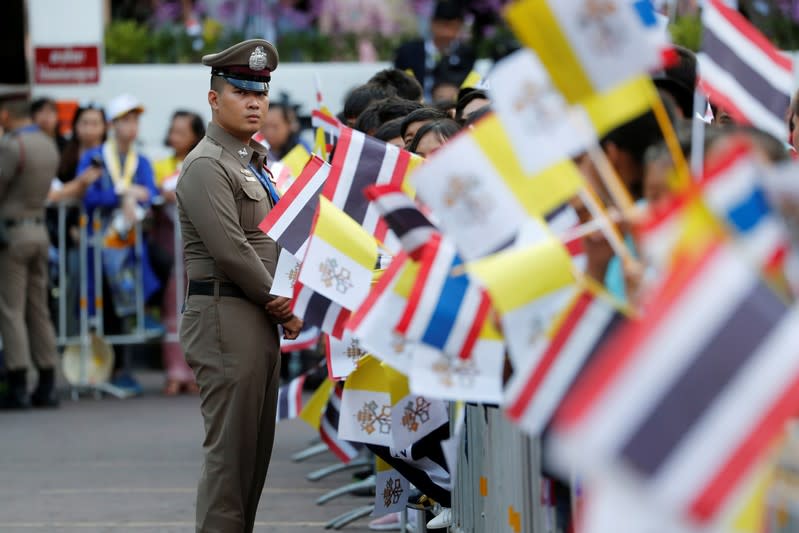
(67, 65)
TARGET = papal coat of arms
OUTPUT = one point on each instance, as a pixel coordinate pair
(599, 20)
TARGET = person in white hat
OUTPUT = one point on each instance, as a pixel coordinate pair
(125, 190)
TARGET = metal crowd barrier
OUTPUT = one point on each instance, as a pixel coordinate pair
(497, 485)
(87, 326)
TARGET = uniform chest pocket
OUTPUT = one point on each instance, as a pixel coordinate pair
(253, 206)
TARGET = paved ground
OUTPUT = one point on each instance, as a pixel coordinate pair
(124, 466)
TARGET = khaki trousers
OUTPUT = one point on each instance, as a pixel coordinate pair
(233, 349)
(25, 325)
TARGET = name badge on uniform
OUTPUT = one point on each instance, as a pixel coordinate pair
(248, 176)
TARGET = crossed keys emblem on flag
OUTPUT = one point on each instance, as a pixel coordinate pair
(293, 274)
(373, 417)
(460, 195)
(354, 350)
(598, 19)
(455, 372)
(416, 414)
(332, 273)
(392, 492)
(538, 103)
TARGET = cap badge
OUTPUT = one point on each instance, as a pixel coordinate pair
(258, 59)
(243, 152)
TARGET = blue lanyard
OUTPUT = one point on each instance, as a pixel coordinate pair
(264, 179)
(26, 129)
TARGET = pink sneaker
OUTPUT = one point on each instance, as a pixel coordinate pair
(389, 522)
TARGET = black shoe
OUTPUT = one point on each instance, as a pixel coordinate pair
(17, 394)
(45, 394)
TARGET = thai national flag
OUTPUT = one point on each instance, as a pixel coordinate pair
(446, 310)
(328, 427)
(536, 391)
(291, 220)
(684, 402)
(361, 161)
(742, 72)
(289, 398)
(733, 188)
(403, 216)
(316, 310)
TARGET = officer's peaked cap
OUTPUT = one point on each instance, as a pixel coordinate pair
(247, 65)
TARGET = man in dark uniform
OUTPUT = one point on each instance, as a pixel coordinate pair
(28, 164)
(229, 329)
(441, 57)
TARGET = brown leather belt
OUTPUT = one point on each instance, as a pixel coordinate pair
(208, 288)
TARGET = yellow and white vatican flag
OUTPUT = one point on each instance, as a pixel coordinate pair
(340, 257)
(413, 416)
(311, 412)
(535, 114)
(528, 286)
(286, 272)
(476, 379)
(391, 489)
(475, 207)
(366, 405)
(342, 354)
(589, 46)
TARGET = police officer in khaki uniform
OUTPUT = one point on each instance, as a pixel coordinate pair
(28, 164)
(229, 329)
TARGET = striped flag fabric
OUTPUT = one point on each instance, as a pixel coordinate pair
(340, 257)
(535, 392)
(685, 401)
(742, 72)
(360, 161)
(373, 322)
(327, 122)
(588, 47)
(732, 186)
(289, 223)
(317, 310)
(289, 398)
(328, 427)
(307, 339)
(282, 175)
(445, 311)
(403, 217)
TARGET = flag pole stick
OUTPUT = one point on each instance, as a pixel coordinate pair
(610, 178)
(672, 143)
(609, 229)
(697, 136)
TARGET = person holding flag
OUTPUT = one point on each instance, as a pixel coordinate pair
(229, 329)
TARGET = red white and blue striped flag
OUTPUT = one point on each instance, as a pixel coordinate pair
(446, 311)
(360, 161)
(685, 401)
(742, 72)
(733, 188)
(403, 216)
(289, 223)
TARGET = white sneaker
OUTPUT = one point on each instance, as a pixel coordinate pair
(442, 520)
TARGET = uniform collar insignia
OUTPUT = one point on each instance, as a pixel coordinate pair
(243, 152)
(258, 58)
